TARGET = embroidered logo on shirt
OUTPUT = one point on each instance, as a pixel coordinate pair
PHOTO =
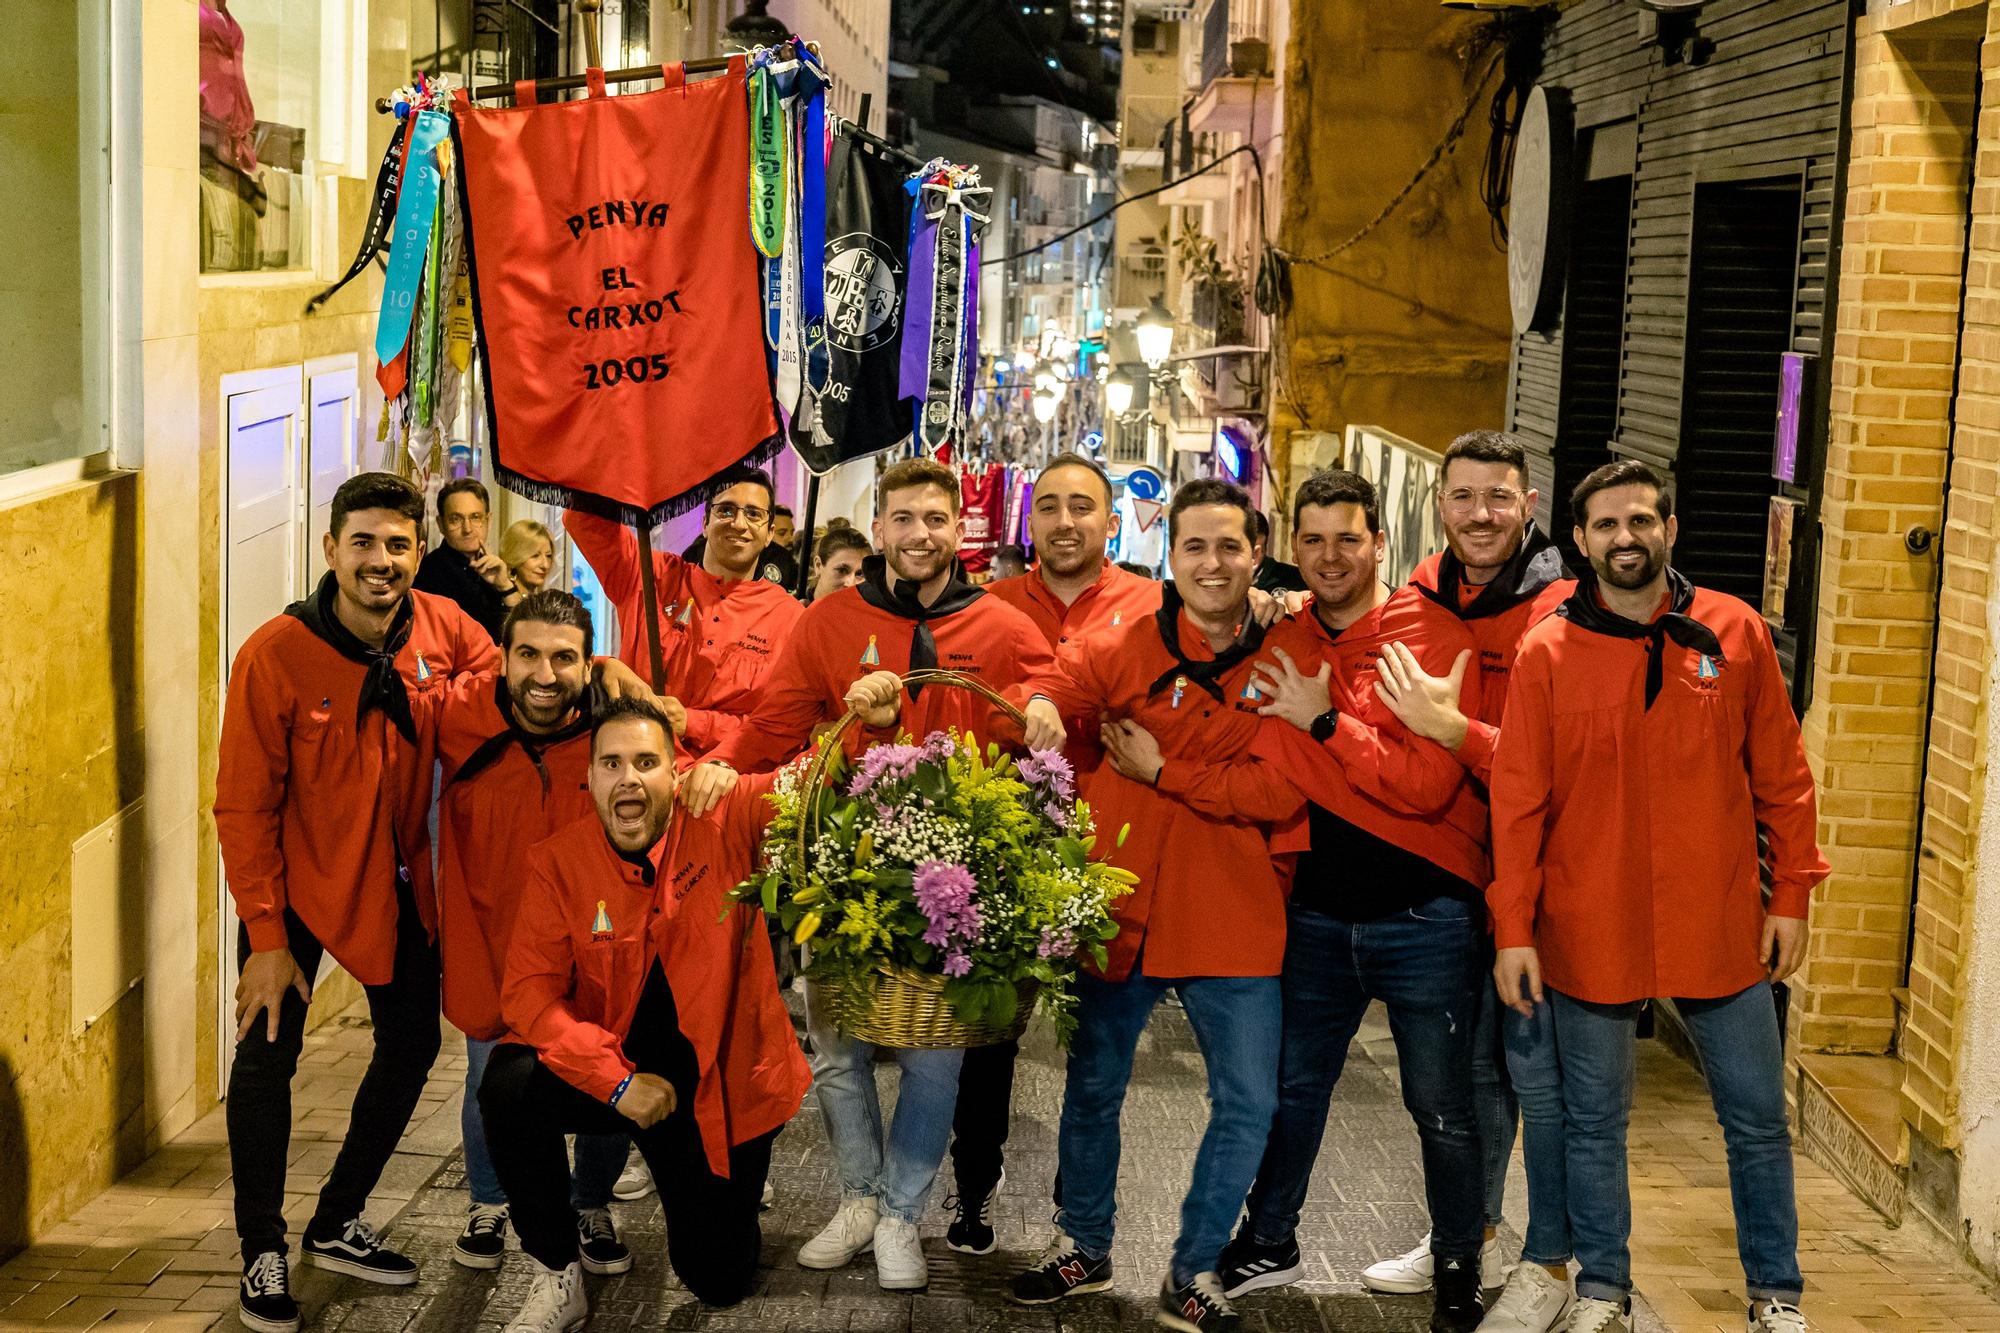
(687, 613)
(1707, 670)
(1251, 692)
(600, 927)
(1180, 688)
(1117, 619)
(423, 668)
(869, 657)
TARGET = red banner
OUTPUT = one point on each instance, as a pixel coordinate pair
(617, 292)
(984, 502)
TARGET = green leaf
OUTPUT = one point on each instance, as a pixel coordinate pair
(770, 895)
(1005, 1002)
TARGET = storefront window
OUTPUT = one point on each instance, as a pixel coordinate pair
(54, 149)
(260, 98)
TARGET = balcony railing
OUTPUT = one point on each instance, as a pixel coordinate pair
(1220, 25)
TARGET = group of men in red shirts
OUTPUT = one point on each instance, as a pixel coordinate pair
(1326, 807)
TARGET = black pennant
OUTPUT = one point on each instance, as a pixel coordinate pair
(381, 215)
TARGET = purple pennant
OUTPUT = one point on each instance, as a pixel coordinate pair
(916, 365)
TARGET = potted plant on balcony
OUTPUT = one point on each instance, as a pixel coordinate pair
(1217, 291)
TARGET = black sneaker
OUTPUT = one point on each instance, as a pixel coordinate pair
(1063, 1270)
(1247, 1266)
(971, 1230)
(598, 1245)
(264, 1302)
(355, 1251)
(483, 1243)
(1458, 1306)
(1197, 1307)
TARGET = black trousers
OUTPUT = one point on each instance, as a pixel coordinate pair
(714, 1238)
(979, 1123)
(405, 1013)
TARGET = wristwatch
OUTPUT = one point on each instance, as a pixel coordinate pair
(1323, 725)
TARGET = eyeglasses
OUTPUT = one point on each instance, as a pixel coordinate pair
(752, 515)
(1465, 499)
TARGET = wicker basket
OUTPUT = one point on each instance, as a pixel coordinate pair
(907, 1010)
(897, 1006)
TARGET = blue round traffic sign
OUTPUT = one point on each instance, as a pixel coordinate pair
(1143, 483)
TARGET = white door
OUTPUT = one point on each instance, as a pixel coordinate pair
(332, 440)
(261, 501)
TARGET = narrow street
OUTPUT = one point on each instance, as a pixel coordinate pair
(158, 1251)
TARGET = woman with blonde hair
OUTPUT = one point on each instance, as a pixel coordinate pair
(529, 552)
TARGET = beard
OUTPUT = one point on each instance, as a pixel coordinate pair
(538, 714)
(1636, 577)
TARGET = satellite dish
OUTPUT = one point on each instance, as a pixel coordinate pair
(1538, 210)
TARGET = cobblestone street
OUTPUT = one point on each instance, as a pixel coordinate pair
(157, 1251)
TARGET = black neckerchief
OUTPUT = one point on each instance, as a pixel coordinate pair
(1584, 610)
(1535, 564)
(643, 860)
(899, 598)
(1207, 674)
(383, 687)
(532, 743)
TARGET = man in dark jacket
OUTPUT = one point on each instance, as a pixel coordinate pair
(461, 567)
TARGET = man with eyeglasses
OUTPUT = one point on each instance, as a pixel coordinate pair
(1500, 574)
(721, 621)
(460, 567)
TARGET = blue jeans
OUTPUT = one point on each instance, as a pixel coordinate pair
(1537, 1080)
(1493, 1099)
(1236, 1022)
(898, 1174)
(599, 1157)
(1424, 964)
(1742, 1055)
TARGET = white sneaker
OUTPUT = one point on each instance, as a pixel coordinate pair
(1775, 1317)
(1410, 1273)
(899, 1256)
(555, 1304)
(851, 1232)
(1535, 1301)
(1595, 1316)
(635, 1181)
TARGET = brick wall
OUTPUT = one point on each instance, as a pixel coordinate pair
(1956, 777)
(1902, 251)
(1916, 220)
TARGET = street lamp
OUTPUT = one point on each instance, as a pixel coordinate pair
(1118, 395)
(1156, 335)
(1044, 406)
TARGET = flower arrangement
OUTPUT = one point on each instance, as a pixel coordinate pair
(944, 860)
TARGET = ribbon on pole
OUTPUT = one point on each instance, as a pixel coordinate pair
(956, 207)
(416, 210)
(768, 166)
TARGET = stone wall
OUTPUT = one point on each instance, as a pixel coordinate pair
(71, 1103)
(1409, 329)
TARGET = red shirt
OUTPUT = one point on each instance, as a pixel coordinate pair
(1625, 837)
(1207, 903)
(1372, 772)
(523, 789)
(1498, 639)
(316, 810)
(842, 638)
(718, 637)
(1116, 597)
(591, 926)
